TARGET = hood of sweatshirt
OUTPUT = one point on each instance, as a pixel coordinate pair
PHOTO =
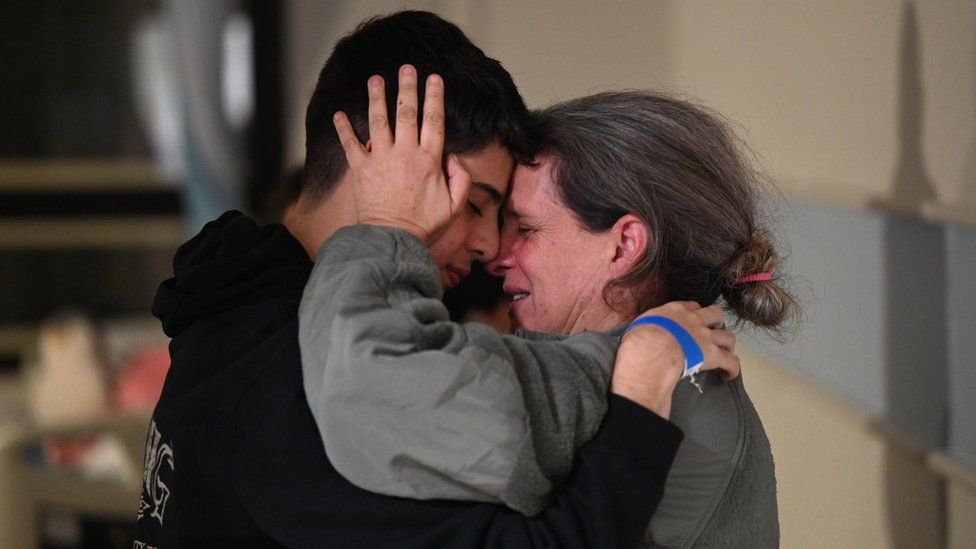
(231, 262)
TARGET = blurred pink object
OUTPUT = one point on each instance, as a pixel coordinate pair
(141, 381)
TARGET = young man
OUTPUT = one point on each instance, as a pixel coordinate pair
(234, 455)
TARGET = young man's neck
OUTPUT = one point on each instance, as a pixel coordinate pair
(313, 223)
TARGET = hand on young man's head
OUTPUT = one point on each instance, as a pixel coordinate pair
(398, 180)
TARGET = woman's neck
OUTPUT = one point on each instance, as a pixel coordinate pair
(598, 321)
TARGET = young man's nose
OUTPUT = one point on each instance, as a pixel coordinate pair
(502, 262)
(484, 245)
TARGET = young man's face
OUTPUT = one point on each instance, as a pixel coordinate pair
(473, 236)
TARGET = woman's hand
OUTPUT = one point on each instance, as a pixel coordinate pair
(650, 361)
(398, 180)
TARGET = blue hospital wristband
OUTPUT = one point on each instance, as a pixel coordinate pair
(693, 353)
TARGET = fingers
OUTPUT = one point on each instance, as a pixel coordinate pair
(432, 130)
(719, 354)
(379, 125)
(712, 316)
(735, 368)
(458, 183)
(724, 339)
(725, 362)
(406, 121)
(355, 152)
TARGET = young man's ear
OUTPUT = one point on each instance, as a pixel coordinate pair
(630, 236)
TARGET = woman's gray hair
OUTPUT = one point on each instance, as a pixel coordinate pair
(680, 169)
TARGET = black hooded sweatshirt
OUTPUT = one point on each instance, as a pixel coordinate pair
(234, 458)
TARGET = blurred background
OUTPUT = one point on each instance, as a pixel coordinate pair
(127, 124)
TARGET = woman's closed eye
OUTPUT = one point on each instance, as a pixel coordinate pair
(475, 209)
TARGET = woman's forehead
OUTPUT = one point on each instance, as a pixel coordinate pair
(533, 191)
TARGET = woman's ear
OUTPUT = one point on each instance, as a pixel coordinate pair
(630, 236)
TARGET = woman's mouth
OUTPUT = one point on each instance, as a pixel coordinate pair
(517, 299)
(517, 294)
(514, 309)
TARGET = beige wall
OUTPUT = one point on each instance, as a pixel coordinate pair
(832, 466)
(818, 87)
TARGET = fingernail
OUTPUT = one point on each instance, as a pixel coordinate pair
(375, 80)
(406, 69)
(337, 116)
(434, 79)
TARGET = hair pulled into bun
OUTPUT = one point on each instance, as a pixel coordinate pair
(765, 303)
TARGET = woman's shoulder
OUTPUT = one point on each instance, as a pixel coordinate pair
(714, 417)
(724, 443)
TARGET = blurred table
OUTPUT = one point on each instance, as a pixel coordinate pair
(34, 498)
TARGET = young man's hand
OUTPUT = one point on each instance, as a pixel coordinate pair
(650, 362)
(398, 180)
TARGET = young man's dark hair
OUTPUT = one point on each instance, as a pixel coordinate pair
(482, 103)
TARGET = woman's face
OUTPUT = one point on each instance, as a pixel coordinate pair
(554, 269)
(473, 235)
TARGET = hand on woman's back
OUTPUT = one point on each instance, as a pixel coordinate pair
(650, 360)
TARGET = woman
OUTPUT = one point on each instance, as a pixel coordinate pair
(665, 177)
(634, 200)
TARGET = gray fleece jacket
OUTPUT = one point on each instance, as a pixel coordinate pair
(410, 404)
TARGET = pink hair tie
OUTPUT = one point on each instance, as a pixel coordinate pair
(757, 277)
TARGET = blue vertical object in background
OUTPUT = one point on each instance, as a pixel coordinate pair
(961, 302)
(214, 142)
(195, 91)
(200, 204)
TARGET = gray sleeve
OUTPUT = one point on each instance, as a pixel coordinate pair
(410, 404)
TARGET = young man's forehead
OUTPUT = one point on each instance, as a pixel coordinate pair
(490, 169)
(493, 193)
